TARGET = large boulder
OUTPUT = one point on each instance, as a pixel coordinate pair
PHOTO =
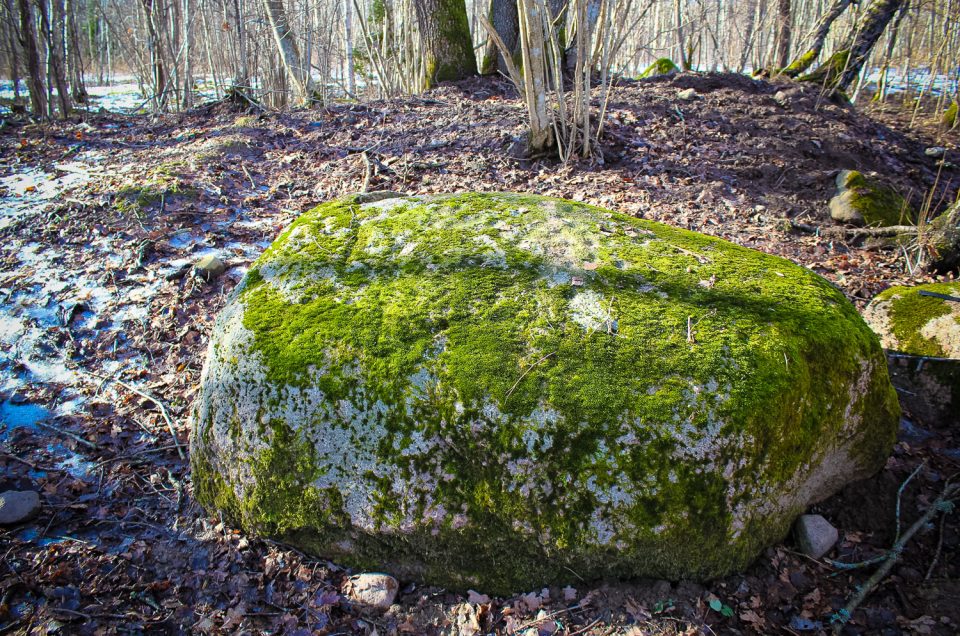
(498, 391)
(920, 328)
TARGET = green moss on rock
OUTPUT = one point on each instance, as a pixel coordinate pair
(493, 390)
(865, 201)
(913, 323)
(663, 66)
(950, 115)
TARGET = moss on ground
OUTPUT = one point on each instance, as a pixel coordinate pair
(159, 185)
(527, 386)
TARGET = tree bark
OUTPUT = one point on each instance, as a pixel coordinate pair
(805, 61)
(10, 32)
(503, 16)
(681, 40)
(297, 72)
(785, 28)
(52, 34)
(445, 40)
(877, 17)
(31, 48)
(533, 48)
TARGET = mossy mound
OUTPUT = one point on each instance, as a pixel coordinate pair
(663, 66)
(864, 201)
(498, 391)
(913, 321)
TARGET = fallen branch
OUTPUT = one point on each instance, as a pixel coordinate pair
(72, 436)
(924, 292)
(944, 503)
(891, 230)
(147, 396)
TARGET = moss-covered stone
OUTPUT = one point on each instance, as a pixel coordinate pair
(922, 334)
(949, 119)
(663, 66)
(495, 391)
(865, 201)
(916, 323)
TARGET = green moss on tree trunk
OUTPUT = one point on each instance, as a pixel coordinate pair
(445, 40)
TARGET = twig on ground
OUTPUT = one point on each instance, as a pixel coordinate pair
(524, 374)
(163, 409)
(944, 503)
(892, 230)
(69, 434)
(936, 555)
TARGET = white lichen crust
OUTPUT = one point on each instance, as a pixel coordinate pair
(494, 391)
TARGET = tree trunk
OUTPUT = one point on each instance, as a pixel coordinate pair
(31, 48)
(894, 33)
(805, 61)
(445, 40)
(74, 57)
(297, 73)
(348, 40)
(785, 24)
(681, 40)
(52, 34)
(877, 17)
(533, 48)
(503, 17)
(12, 43)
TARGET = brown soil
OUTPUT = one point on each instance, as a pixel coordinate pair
(141, 556)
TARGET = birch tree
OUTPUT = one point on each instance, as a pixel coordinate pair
(298, 73)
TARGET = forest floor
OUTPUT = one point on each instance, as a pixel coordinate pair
(100, 221)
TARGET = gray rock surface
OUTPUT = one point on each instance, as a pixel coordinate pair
(209, 267)
(17, 506)
(687, 95)
(815, 535)
(372, 590)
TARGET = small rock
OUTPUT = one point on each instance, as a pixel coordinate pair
(372, 589)
(781, 98)
(376, 195)
(815, 535)
(477, 598)
(935, 151)
(687, 95)
(17, 506)
(209, 267)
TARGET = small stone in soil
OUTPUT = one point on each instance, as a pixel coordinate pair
(373, 590)
(17, 506)
(815, 535)
(687, 95)
(209, 267)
